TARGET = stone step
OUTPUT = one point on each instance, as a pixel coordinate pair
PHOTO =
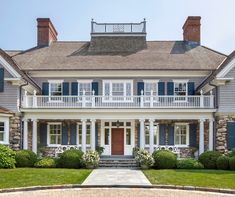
(118, 163)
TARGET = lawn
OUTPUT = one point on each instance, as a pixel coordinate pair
(200, 178)
(24, 177)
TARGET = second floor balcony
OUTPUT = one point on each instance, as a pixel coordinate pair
(124, 102)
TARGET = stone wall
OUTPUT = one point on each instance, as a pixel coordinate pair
(15, 133)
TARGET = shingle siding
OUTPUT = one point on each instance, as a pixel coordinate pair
(226, 94)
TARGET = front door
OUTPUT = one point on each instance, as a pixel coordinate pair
(117, 141)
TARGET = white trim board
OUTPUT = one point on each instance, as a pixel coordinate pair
(226, 69)
(9, 68)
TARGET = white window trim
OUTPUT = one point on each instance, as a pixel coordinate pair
(55, 81)
(48, 133)
(155, 145)
(77, 133)
(187, 135)
(181, 81)
(6, 130)
(110, 87)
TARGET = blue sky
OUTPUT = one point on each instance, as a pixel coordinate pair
(72, 19)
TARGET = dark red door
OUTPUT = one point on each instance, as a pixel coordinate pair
(117, 141)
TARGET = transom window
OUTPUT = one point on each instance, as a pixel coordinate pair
(149, 86)
(155, 133)
(55, 133)
(180, 90)
(88, 133)
(2, 130)
(117, 89)
(181, 134)
(84, 86)
(55, 90)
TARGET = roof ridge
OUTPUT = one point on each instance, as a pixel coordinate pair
(214, 50)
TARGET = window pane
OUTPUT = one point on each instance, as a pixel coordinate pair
(55, 133)
(106, 136)
(128, 89)
(128, 136)
(106, 89)
(1, 137)
(155, 133)
(147, 134)
(106, 124)
(56, 89)
(85, 87)
(128, 124)
(52, 139)
(118, 89)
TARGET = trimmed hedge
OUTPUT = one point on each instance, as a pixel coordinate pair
(209, 158)
(189, 164)
(222, 163)
(70, 159)
(45, 163)
(232, 163)
(7, 157)
(164, 159)
(25, 158)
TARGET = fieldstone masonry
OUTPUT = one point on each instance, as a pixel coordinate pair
(15, 134)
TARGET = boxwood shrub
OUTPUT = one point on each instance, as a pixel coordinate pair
(70, 159)
(222, 163)
(232, 163)
(164, 159)
(45, 163)
(209, 158)
(7, 157)
(189, 164)
(25, 158)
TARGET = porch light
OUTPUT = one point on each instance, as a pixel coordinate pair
(118, 124)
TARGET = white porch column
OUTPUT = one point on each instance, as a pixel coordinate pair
(93, 134)
(25, 136)
(201, 137)
(151, 140)
(142, 138)
(83, 135)
(34, 136)
(211, 129)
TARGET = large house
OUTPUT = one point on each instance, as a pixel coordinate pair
(117, 91)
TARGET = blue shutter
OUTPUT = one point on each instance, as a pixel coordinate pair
(140, 86)
(162, 134)
(1, 79)
(170, 88)
(74, 87)
(64, 134)
(191, 88)
(193, 135)
(43, 133)
(94, 86)
(66, 88)
(230, 135)
(161, 88)
(73, 133)
(96, 134)
(171, 135)
(45, 88)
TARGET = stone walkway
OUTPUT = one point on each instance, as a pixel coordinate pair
(116, 177)
(113, 192)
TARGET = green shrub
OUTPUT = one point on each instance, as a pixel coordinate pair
(189, 164)
(222, 163)
(99, 149)
(25, 158)
(70, 159)
(164, 159)
(45, 163)
(7, 157)
(231, 153)
(232, 163)
(209, 158)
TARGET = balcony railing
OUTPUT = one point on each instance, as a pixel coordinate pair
(118, 27)
(201, 101)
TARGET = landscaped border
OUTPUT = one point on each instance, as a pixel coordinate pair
(71, 186)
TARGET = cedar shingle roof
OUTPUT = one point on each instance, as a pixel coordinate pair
(159, 55)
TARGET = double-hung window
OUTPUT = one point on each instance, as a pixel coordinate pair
(118, 90)
(155, 134)
(55, 90)
(88, 133)
(55, 133)
(181, 134)
(2, 131)
(180, 90)
(85, 88)
(150, 86)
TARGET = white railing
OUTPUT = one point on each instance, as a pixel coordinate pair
(38, 101)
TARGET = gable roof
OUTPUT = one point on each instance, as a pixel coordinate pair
(158, 55)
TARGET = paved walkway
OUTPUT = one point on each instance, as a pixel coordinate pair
(113, 192)
(116, 177)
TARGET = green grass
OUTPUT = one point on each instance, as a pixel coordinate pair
(200, 178)
(24, 177)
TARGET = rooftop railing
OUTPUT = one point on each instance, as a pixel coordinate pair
(118, 28)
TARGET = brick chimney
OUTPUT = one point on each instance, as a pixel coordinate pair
(192, 30)
(46, 32)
